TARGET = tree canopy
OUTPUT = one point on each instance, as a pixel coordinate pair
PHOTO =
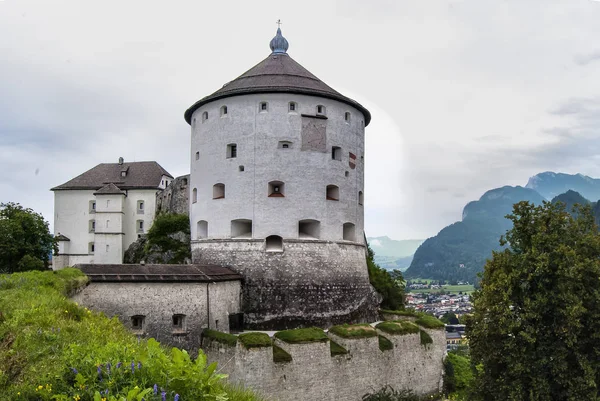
(25, 240)
(535, 330)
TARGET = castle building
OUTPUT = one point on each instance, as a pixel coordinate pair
(99, 213)
(277, 194)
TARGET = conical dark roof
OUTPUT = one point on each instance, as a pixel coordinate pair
(278, 73)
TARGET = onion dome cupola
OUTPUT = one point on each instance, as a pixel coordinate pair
(279, 44)
(278, 73)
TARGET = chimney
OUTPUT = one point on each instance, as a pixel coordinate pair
(120, 160)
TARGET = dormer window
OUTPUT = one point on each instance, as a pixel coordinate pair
(123, 173)
(321, 110)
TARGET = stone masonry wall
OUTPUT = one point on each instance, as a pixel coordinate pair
(175, 198)
(158, 302)
(310, 283)
(313, 374)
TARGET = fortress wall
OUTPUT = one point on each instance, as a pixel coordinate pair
(314, 374)
(310, 283)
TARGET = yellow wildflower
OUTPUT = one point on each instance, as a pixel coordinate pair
(76, 397)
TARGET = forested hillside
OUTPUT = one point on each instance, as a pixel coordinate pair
(460, 250)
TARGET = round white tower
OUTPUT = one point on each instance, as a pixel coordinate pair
(277, 188)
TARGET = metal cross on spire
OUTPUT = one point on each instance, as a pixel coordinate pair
(279, 23)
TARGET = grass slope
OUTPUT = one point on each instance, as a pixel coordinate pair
(52, 349)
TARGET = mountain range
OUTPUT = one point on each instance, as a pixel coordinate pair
(393, 254)
(459, 251)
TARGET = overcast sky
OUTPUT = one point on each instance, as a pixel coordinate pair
(466, 95)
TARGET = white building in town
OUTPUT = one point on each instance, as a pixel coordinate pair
(99, 213)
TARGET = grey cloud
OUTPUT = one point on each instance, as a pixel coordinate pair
(585, 59)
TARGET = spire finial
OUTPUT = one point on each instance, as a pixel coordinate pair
(279, 44)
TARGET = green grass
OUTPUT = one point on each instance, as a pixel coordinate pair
(425, 338)
(299, 336)
(337, 349)
(280, 355)
(385, 344)
(398, 327)
(354, 331)
(218, 336)
(429, 322)
(255, 340)
(406, 312)
(44, 336)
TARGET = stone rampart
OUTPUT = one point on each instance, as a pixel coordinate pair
(314, 374)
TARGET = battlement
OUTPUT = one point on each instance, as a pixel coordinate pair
(342, 364)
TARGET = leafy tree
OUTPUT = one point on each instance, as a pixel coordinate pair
(449, 318)
(535, 331)
(389, 286)
(25, 240)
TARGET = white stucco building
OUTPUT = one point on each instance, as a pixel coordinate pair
(99, 213)
(277, 193)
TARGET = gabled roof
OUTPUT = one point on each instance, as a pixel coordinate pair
(109, 189)
(139, 175)
(158, 273)
(278, 73)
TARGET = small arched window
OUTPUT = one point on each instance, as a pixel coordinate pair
(349, 232)
(332, 192)
(223, 111)
(321, 110)
(361, 198)
(137, 322)
(284, 144)
(263, 107)
(336, 153)
(178, 323)
(292, 107)
(347, 116)
(274, 243)
(197, 155)
(202, 229)
(219, 191)
(92, 226)
(194, 195)
(205, 116)
(309, 229)
(241, 228)
(276, 189)
(231, 151)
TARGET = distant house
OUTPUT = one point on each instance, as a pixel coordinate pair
(99, 213)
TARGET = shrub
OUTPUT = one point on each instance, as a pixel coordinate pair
(29, 262)
(255, 340)
(218, 336)
(354, 331)
(389, 286)
(398, 327)
(385, 344)
(280, 355)
(337, 349)
(298, 336)
(389, 394)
